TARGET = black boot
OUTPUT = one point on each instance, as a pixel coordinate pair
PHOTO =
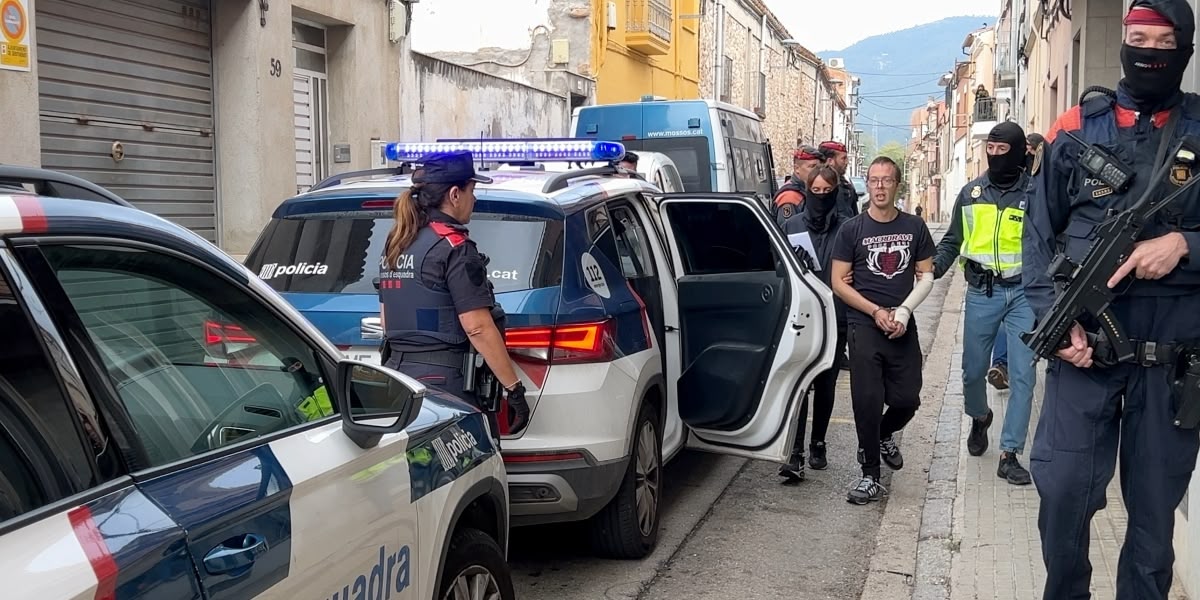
(793, 471)
(816, 456)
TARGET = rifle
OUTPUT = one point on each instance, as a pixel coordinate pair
(1086, 288)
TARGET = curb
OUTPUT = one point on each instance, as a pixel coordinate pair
(913, 549)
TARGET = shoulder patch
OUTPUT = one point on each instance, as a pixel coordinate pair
(787, 210)
(1037, 159)
(1072, 120)
(976, 191)
(450, 234)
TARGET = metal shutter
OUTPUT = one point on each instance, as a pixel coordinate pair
(137, 73)
(302, 102)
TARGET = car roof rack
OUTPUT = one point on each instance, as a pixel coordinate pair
(332, 180)
(560, 181)
(51, 183)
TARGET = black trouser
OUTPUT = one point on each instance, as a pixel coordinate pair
(882, 372)
(823, 393)
(447, 379)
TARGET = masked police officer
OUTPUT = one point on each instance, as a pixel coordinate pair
(789, 200)
(1095, 410)
(837, 157)
(435, 298)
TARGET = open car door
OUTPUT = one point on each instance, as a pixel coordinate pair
(755, 326)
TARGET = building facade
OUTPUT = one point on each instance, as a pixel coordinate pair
(593, 52)
(211, 113)
(748, 58)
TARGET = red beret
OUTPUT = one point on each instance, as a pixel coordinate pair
(807, 153)
(1141, 15)
(832, 145)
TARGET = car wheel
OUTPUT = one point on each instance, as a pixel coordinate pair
(628, 526)
(475, 569)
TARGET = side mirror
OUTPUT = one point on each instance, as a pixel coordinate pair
(375, 401)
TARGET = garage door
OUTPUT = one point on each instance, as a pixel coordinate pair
(126, 101)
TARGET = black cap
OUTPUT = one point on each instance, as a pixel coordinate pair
(448, 167)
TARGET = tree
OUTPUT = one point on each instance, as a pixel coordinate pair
(895, 151)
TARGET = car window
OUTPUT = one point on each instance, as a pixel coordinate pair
(690, 155)
(720, 237)
(339, 254)
(601, 235)
(197, 362)
(672, 177)
(631, 242)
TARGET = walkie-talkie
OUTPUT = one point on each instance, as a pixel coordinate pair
(1103, 165)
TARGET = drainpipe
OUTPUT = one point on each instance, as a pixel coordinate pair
(719, 59)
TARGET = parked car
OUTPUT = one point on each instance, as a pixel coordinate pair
(655, 167)
(641, 322)
(142, 462)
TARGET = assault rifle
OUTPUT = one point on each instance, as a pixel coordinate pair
(1085, 290)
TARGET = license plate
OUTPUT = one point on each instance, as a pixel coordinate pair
(363, 353)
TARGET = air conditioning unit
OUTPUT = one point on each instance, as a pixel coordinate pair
(837, 63)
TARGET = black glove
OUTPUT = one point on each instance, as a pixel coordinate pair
(518, 409)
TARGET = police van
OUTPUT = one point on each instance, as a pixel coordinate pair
(641, 323)
(144, 458)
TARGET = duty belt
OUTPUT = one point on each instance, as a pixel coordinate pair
(1146, 354)
(441, 358)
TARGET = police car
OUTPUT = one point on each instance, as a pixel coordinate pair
(641, 323)
(140, 461)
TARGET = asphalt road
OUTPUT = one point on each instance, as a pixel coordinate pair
(731, 528)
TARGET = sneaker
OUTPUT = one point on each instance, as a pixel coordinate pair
(793, 471)
(890, 453)
(1012, 471)
(865, 491)
(816, 456)
(977, 441)
(998, 376)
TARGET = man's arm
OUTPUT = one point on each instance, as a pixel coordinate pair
(919, 292)
(1047, 210)
(948, 248)
(848, 294)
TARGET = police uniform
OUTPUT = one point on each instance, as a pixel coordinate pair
(1091, 416)
(847, 205)
(440, 276)
(789, 200)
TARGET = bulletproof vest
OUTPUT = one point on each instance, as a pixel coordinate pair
(420, 318)
(1137, 147)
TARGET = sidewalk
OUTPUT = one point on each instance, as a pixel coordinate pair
(963, 533)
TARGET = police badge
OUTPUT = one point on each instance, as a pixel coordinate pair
(787, 211)
(1180, 174)
(976, 191)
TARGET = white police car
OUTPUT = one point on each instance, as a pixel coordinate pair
(138, 465)
(641, 323)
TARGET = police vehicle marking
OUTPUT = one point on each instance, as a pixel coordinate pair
(393, 573)
(442, 455)
(594, 275)
(273, 270)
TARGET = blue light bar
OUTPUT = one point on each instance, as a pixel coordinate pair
(511, 150)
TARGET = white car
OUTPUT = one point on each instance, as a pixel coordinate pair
(142, 461)
(641, 323)
(655, 167)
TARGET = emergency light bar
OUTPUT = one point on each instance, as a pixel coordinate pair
(511, 150)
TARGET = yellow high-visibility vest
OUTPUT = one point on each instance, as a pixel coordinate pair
(992, 237)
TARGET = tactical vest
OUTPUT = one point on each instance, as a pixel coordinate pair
(420, 318)
(992, 237)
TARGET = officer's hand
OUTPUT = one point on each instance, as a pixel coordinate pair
(849, 278)
(1152, 259)
(1078, 353)
(518, 409)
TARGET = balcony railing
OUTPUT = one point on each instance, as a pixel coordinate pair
(1006, 63)
(648, 26)
(985, 110)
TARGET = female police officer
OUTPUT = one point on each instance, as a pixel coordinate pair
(435, 298)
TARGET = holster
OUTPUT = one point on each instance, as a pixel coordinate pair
(1183, 357)
(1185, 390)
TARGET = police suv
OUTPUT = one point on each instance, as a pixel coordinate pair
(641, 322)
(144, 457)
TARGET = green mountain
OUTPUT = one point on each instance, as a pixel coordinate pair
(900, 71)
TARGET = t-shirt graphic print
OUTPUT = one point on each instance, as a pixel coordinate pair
(889, 255)
(883, 258)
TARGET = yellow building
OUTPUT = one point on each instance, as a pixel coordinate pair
(645, 47)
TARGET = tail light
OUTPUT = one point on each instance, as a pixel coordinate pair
(225, 333)
(563, 344)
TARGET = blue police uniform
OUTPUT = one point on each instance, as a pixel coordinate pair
(438, 277)
(1092, 416)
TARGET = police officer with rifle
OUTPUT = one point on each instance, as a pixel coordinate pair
(1118, 311)
(442, 324)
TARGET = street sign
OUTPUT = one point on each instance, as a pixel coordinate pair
(14, 35)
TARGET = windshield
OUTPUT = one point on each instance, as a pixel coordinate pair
(690, 155)
(329, 254)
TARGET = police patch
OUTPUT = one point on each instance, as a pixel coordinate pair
(1037, 159)
(1180, 174)
(787, 210)
(976, 191)
(476, 273)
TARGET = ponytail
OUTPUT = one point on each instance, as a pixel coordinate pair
(409, 219)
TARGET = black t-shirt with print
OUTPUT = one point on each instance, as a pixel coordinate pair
(883, 258)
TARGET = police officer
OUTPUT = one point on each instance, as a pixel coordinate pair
(1095, 410)
(985, 230)
(789, 200)
(837, 157)
(439, 311)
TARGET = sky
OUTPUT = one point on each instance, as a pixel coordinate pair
(841, 23)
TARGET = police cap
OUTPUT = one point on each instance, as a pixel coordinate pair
(448, 167)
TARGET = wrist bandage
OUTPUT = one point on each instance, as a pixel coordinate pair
(919, 292)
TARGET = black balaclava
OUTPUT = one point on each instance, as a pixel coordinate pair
(817, 207)
(1005, 169)
(1153, 76)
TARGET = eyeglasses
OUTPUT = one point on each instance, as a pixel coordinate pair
(879, 181)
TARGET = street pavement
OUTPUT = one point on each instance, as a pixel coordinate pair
(731, 529)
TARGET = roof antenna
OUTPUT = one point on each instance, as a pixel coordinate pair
(481, 138)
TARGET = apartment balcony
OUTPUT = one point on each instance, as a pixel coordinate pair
(648, 26)
(985, 117)
(1006, 64)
